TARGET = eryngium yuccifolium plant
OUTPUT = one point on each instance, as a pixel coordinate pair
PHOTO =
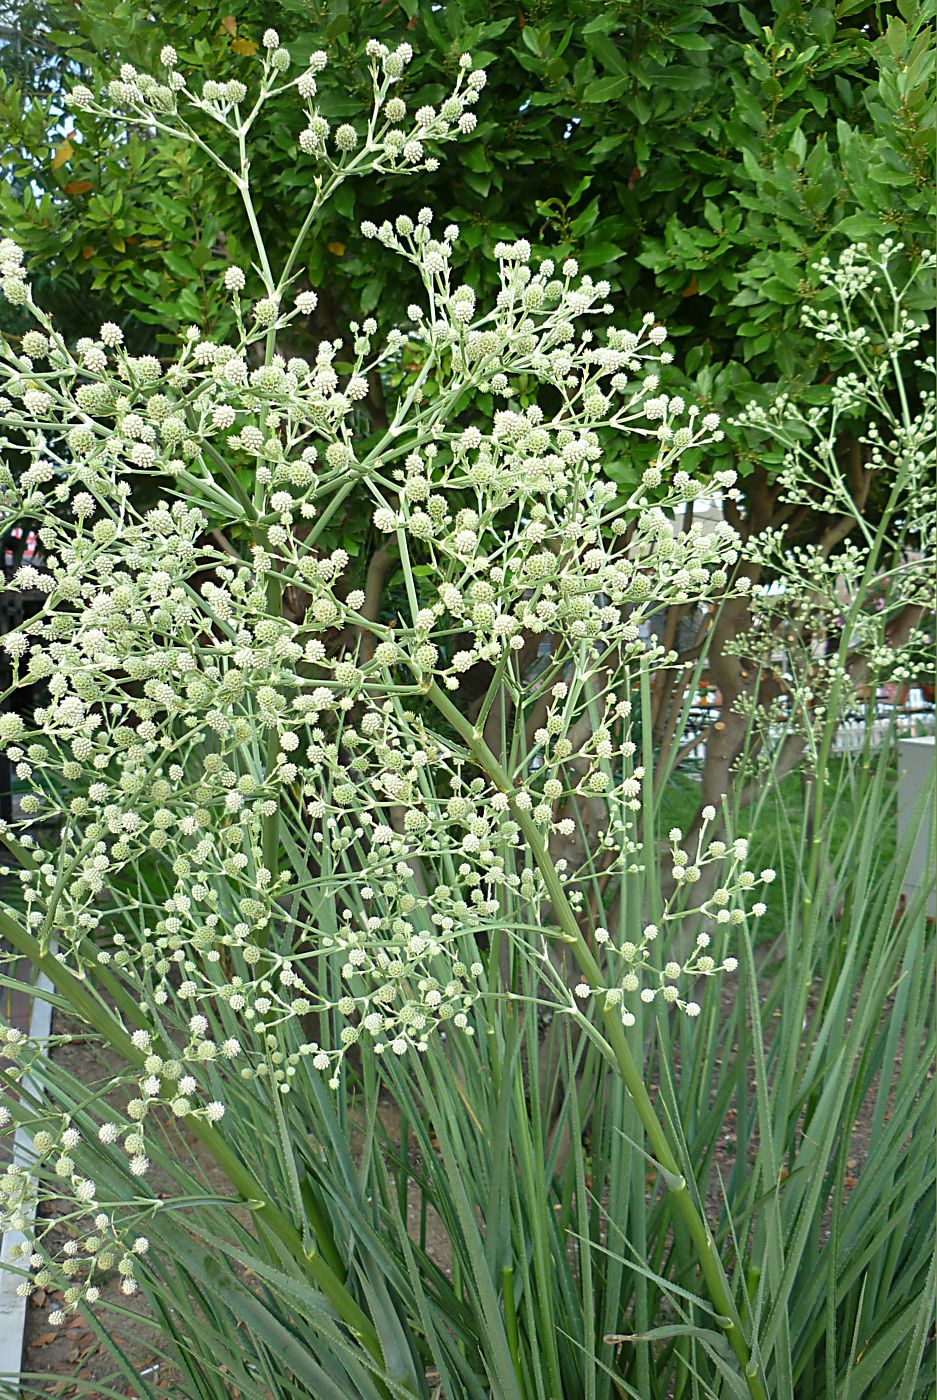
(347, 778)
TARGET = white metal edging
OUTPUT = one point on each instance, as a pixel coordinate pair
(13, 1304)
(916, 757)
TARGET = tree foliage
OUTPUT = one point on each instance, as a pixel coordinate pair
(699, 156)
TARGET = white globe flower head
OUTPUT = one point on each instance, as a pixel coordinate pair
(266, 310)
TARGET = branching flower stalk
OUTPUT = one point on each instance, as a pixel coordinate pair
(366, 793)
(854, 613)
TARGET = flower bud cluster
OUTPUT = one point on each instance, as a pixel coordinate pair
(394, 140)
(99, 1243)
(643, 968)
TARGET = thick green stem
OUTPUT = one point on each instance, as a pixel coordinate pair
(710, 1265)
(270, 833)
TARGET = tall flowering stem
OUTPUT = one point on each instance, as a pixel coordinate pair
(628, 1067)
